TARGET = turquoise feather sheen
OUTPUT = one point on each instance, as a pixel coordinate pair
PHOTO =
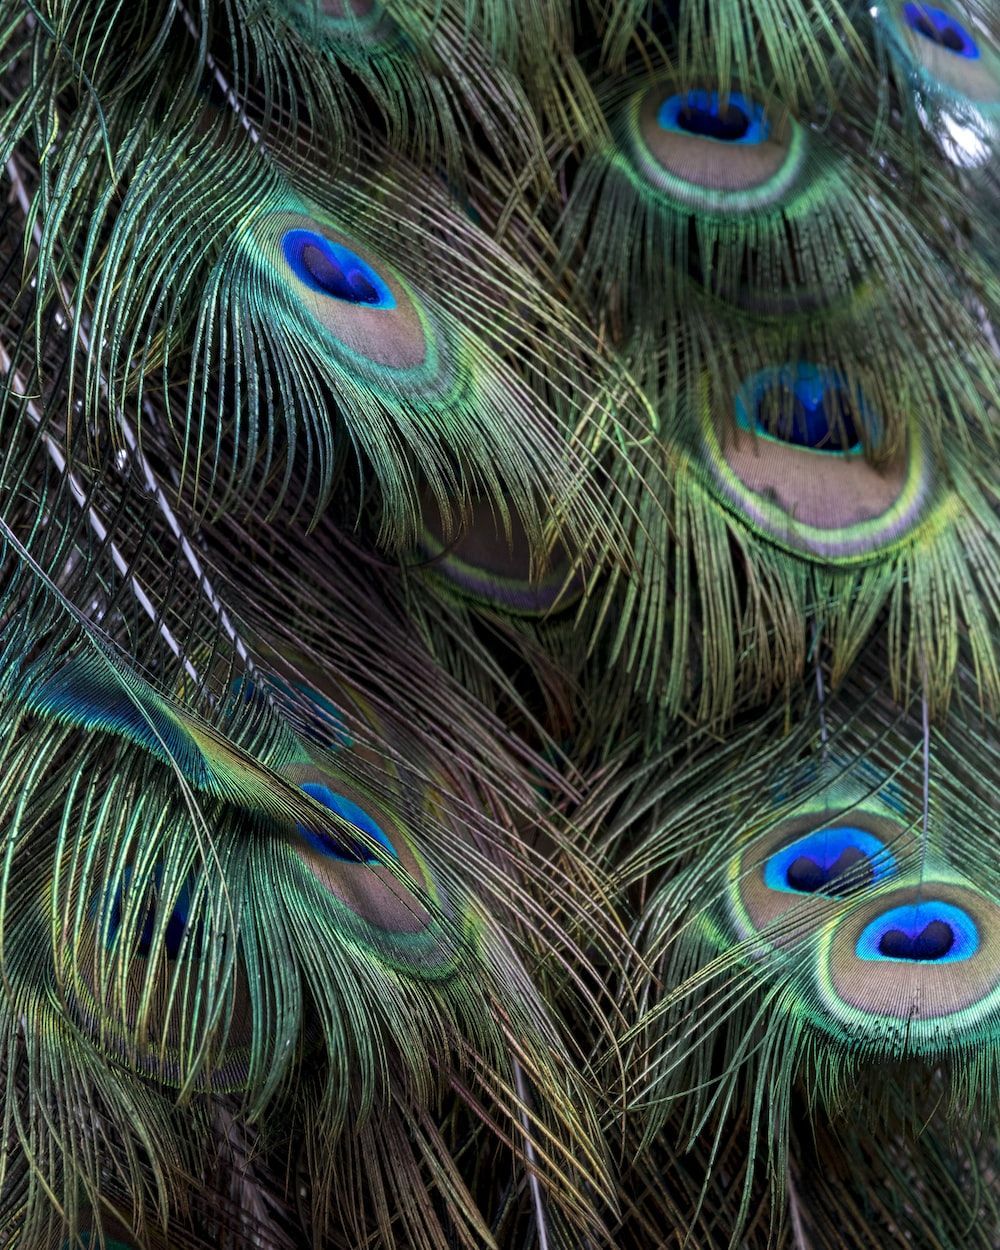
(93, 693)
(381, 904)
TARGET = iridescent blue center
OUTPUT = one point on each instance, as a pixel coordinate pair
(804, 405)
(176, 926)
(924, 932)
(332, 269)
(735, 119)
(941, 28)
(335, 846)
(833, 861)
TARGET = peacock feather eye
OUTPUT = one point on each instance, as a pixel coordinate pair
(787, 458)
(347, 305)
(924, 931)
(941, 50)
(343, 848)
(730, 119)
(917, 965)
(713, 153)
(482, 565)
(785, 882)
(390, 904)
(723, 191)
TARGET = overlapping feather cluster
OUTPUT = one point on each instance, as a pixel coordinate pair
(499, 624)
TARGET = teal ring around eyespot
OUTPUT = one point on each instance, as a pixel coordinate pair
(517, 596)
(396, 350)
(556, 589)
(434, 952)
(164, 1061)
(640, 165)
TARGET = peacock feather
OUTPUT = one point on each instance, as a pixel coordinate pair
(499, 625)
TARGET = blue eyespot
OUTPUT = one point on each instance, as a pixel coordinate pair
(941, 28)
(833, 861)
(177, 922)
(806, 406)
(924, 932)
(332, 269)
(346, 848)
(700, 112)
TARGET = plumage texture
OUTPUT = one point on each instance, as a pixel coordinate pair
(499, 624)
